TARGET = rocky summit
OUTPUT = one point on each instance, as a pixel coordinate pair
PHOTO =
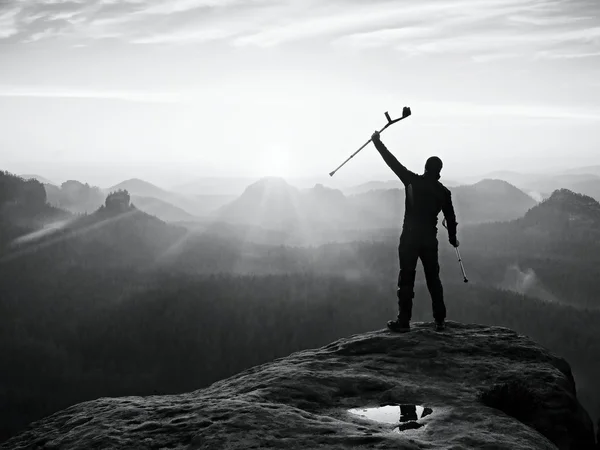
(468, 387)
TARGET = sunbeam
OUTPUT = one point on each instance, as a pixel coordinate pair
(70, 234)
(46, 231)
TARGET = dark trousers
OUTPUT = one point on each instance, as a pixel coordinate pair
(415, 245)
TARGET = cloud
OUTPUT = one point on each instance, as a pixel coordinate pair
(72, 93)
(465, 109)
(526, 283)
(554, 55)
(185, 36)
(383, 37)
(484, 58)
(503, 42)
(484, 31)
(547, 21)
(487, 31)
(357, 21)
(429, 109)
(42, 35)
(177, 6)
(8, 23)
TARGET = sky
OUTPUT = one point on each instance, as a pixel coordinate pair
(169, 91)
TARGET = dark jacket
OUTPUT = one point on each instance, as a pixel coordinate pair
(425, 196)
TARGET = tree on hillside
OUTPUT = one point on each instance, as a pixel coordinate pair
(23, 208)
(33, 194)
(76, 196)
(16, 191)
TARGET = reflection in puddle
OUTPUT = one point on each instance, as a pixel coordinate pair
(405, 416)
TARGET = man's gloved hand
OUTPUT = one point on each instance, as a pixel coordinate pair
(454, 242)
(375, 136)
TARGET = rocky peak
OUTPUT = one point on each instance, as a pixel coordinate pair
(565, 208)
(469, 387)
(570, 201)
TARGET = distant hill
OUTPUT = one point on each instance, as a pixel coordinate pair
(584, 180)
(490, 200)
(193, 205)
(215, 186)
(551, 183)
(273, 204)
(552, 252)
(517, 179)
(485, 201)
(589, 187)
(161, 209)
(542, 186)
(23, 208)
(235, 186)
(310, 216)
(39, 178)
(593, 170)
(135, 186)
(75, 196)
(381, 208)
(565, 224)
(269, 203)
(116, 234)
(208, 205)
(373, 186)
(328, 207)
(121, 236)
(566, 213)
(383, 185)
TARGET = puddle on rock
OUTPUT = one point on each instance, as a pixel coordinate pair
(405, 416)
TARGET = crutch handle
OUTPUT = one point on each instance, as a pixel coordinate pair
(405, 113)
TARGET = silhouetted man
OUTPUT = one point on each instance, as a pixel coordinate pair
(425, 198)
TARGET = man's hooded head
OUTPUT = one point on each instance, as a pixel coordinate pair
(433, 167)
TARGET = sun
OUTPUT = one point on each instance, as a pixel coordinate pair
(276, 162)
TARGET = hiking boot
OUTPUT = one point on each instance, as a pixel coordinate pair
(399, 326)
(440, 325)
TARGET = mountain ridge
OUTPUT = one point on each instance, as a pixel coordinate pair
(274, 203)
(139, 187)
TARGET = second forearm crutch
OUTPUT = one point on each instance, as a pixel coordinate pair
(461, 265)
(405, 113)
(462, 268)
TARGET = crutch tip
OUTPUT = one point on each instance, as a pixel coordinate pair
(331, 174)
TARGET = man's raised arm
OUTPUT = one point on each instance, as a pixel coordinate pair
(405, 175)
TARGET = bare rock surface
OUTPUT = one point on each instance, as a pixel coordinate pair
(303, 401)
